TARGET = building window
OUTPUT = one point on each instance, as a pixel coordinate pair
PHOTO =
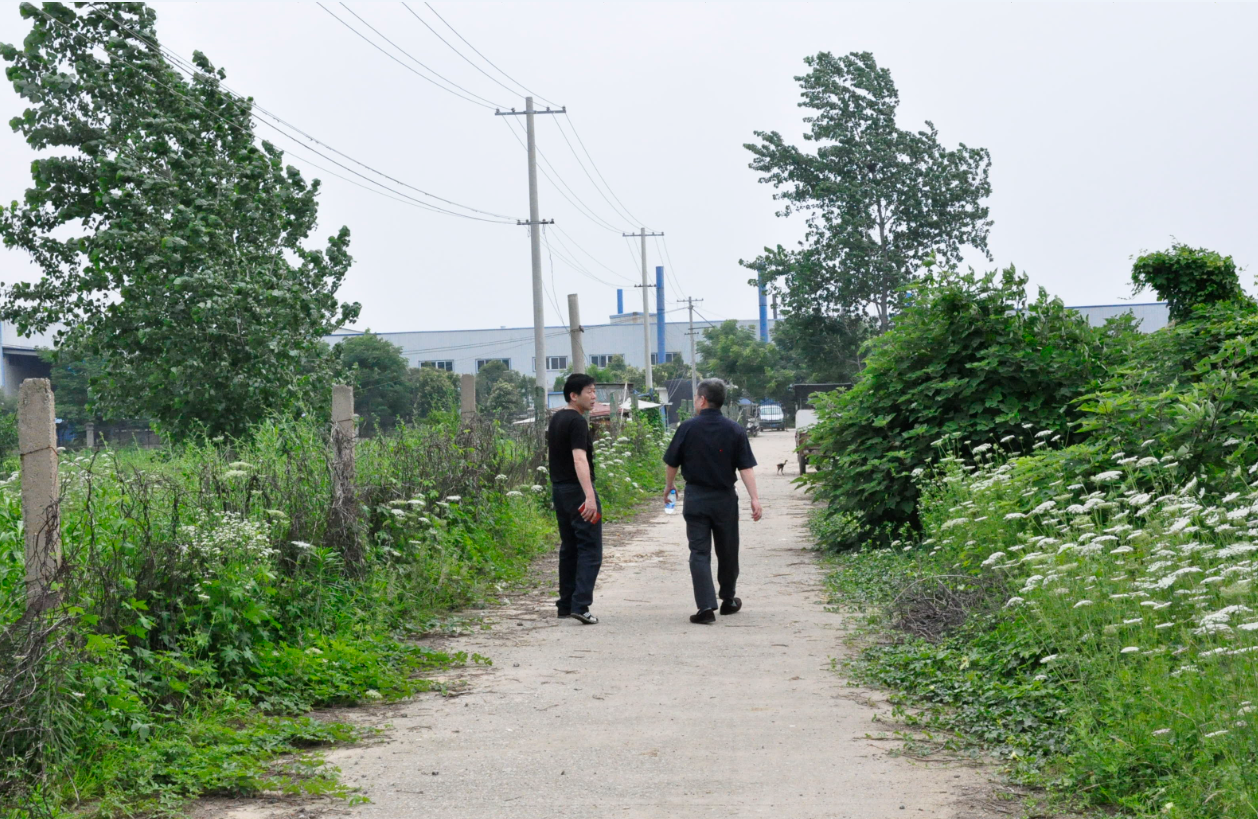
(447, 366)
(481, 362)
(669, 358)
(603, 360)
(556, 362)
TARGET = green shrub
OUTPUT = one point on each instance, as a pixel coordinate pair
(1187, 278)
(970, 359)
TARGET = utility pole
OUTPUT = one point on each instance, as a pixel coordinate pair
(694, 367)
(535, 222)
(574, 333)
(646, 308)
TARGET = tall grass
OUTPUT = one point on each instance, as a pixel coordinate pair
(1122, 655)
(208, 603)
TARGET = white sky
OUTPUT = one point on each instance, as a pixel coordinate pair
(1112, 129)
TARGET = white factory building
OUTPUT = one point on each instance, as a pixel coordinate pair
(466, 351)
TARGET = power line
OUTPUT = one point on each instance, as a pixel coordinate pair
(484, 103)
(469, 61)
(592, 257)
(180, 63)
(487, 60)
(669, 268)
(617, 206)
(560, 186)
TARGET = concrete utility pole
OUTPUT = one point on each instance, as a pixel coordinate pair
(535, 222)
(646, 308)
(41, 490)
(574, 334)
(694, 367)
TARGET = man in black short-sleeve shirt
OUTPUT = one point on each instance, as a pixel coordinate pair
(709, 449)
(577, 509)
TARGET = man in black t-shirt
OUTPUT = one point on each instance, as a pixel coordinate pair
(709, 449)
(577, 509)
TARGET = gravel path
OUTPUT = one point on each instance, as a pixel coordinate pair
(647, 715)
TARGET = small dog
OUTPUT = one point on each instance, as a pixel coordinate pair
(782, 466)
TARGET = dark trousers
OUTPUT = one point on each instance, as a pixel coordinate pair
(580, 548)
(712, 520)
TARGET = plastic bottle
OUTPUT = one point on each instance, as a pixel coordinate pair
(670, 507)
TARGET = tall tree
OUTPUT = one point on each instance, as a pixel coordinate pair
(383, 392)
(171, 243)
(734, 354)
(880, 201)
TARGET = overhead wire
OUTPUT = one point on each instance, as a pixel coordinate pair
(460, 53)
(591, 256)
(618, 206)
(661, 246)
(179, 63)
(487, 60)
(467, 95)
(559, 186)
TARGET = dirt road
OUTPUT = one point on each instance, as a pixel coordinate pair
(647, 715)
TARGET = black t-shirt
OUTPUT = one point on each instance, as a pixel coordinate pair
(710, 448)
(568, 431)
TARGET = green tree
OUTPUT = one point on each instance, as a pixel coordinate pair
(171, 243)
(505, 400)
(494, 373)
(735, 355)
(71, 383)
(383, 390)
(880, 201)
(1186, 277)
(433, 391)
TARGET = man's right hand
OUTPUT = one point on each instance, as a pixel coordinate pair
(589, 509)
(757, 511)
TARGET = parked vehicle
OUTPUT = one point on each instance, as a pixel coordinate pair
(806, 416)
(772, 416)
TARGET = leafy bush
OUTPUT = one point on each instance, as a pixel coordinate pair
(970, 357)
(1187, 278)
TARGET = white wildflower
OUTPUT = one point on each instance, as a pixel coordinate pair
(994, 558)
(1044, 507)
(1014, 601)
(1048, 659)
(1130, 650)
(1107, 477)
(537, 487)
(1081, 604)
(515, 493)
(1214, 734)
(1014, 516)
(1161, 732)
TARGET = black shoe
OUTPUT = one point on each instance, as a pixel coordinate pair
(585, 617)
(704, 617)
(731, 606)
(562, 614)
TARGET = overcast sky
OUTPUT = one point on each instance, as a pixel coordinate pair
(1112, 129)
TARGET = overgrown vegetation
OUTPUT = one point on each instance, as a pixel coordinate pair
(970, 356)
(207, 603)
(1078, 595)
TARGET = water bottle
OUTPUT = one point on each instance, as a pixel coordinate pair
(670, 506)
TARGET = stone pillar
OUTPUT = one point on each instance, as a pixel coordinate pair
(37, 445)
(90, 435)
(467, 396)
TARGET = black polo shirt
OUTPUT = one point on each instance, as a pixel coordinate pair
(710, 449)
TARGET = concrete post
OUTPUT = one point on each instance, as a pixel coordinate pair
(467, 396)
(37, 445)
(90, 435)
(575, 331)
(344, 498)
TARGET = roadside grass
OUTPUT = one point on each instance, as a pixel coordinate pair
(1107, 645)
(208, 605)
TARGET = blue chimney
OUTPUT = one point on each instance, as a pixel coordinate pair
(620, 302)
(659, 315)
(764, 315)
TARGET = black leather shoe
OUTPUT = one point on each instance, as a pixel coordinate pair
(585, 617)
(564, 614)
(705, 617)
(731, 606)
